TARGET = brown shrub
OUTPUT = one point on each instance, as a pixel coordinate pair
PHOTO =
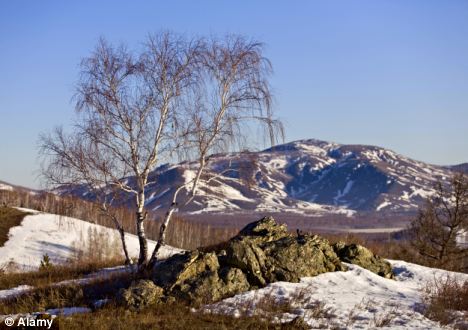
(443, 297)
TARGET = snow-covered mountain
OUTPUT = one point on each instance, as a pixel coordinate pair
(11, 187)
(310, 177)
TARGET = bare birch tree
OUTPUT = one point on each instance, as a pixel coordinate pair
(233, 91)
(134, 112)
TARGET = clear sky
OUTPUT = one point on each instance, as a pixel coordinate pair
(389, 73)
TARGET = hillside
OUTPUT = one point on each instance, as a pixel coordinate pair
(308, 177)
(61, 238)
(463, 168)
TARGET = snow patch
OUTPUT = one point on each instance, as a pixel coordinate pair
(57, 236)
(356, 298)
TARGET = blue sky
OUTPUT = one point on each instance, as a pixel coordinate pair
(389, 73)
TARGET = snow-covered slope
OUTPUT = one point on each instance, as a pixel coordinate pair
(310, 177)
(61, 238)
(4, 186)
(356, 299)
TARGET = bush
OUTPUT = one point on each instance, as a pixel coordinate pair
(445, 298)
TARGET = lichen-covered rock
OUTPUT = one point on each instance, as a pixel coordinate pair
(140, 294)
(263, 230)
(291, 258)
(267, 253)
(182, 267)
(246, 255)
(197, 277)
(263, 252)
(234, 281)
(213, 286)
(361, 256)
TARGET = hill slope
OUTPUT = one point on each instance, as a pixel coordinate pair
(310, 177)
(356, 299)
(62, 238)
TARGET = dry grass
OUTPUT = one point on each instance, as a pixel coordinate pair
(53, 274)
(443, 297)
(166, 316)
(384, 319)
(287, 310)
(9, 217)
(111, 316)
(67, 295)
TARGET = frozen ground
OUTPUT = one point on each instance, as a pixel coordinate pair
(61, 238)
(356, 299)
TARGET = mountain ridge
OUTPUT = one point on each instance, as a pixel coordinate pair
(309, 177)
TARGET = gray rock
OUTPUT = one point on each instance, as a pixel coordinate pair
(267, 253)
(361, 256)
(140, 294)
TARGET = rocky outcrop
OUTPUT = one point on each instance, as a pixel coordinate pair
(263, 252)
(267, 253)
(361, 256)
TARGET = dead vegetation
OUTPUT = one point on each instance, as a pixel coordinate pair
(446, 300)
(170, 316)
(55, 273)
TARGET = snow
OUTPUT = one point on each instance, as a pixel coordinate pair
(227, 192)
(189, 175)
(341, 193)
(421, 192)
(315, 150)
(5, 187)
(276, 163)
(67, 311)
(356, 299)
(383, 205)
(59, 237)
(14, 291)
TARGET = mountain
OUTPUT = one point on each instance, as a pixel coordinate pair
(309, 177)
(463, 168)
(11, 187)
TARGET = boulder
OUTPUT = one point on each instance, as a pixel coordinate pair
(267, 253)
(361, 256)
(178, 269)
(140, 294)
(197, 277)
